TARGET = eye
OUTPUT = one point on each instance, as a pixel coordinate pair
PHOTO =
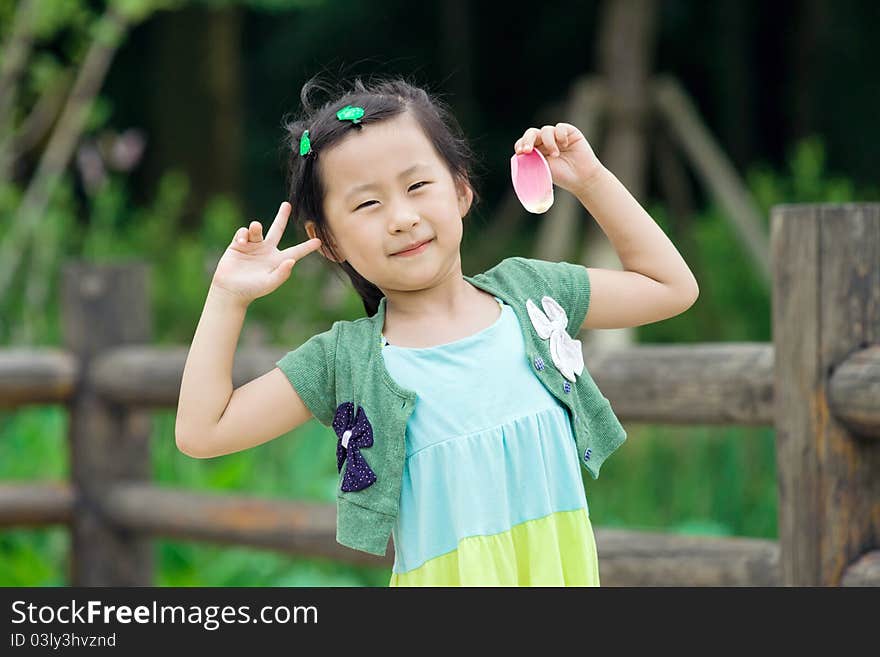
(411, 188)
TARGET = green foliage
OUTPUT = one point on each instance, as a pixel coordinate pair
(690, 480)
(734, 302)
(33, 448)
(31, 557)
(300, 466)
(137, 10)
(277, 6)
(53, 16)
(297, 466)
(42, 73)
(806, 180)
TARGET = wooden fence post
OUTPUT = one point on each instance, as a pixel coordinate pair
(826, 306)
(105, 306)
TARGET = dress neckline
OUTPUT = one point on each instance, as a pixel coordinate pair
(454, 343)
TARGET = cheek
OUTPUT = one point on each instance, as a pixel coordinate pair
(364, 242)
(443, 208)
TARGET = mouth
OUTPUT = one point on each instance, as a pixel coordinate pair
(415, 250)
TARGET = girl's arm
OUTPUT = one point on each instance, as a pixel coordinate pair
(206, 386)
(212, 418)
(656, 282)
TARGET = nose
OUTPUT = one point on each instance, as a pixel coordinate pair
(403, 216)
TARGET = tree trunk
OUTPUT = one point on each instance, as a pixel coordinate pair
(809, 46)
(458, 59)
(196, 111)
(734, 87)
(625, 57)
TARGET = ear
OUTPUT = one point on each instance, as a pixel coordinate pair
(310, 230)
(465, 197)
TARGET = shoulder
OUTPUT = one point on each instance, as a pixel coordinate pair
(541, 276)
(343, 337)
(514, 274)
(551, 272)
(321, 365)
(566, 282)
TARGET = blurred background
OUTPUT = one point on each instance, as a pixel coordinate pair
(151, 130)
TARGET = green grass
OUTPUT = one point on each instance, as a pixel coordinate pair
(299, 465)
(710, 480)
(696, 480)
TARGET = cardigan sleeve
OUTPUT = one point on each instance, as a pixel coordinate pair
(311, 370)
(570, 287)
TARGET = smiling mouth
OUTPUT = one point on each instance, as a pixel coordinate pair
(414, 249)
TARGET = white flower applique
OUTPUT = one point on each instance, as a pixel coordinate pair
(567, 353)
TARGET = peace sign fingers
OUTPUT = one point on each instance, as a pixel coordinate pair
(279, 224)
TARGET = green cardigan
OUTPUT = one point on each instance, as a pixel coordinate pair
(345, 364)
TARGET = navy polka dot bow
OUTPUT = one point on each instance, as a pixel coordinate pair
(354, 433)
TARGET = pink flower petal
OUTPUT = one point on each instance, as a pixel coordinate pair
(532, 181)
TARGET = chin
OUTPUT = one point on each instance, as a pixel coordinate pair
(419, 275)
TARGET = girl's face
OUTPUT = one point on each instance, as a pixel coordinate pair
(385, 189)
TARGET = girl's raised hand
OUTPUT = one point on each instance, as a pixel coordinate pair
(571, 159)
(252, 267)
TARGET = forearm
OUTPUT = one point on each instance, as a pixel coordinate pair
(640, 243)
(206, 386)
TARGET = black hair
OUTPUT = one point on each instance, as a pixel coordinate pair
(381, 100)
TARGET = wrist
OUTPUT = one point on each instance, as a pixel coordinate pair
(227, 298)
(587, 183)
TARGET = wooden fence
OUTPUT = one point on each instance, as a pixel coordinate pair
(818, 384)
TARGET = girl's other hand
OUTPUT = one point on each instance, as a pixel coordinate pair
(571, 159)
(252, 267)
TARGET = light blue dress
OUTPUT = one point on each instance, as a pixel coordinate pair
(492, 492)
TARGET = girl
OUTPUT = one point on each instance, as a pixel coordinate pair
(461, 406)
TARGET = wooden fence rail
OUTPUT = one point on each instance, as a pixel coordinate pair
(730, 383)
(817, 383)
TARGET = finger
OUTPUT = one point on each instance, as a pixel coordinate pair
(255, 231)
(299, 251)
(548, 136)
(563, 133)
(528, 139)
(241, 237)
(572, 134)
(276, 230)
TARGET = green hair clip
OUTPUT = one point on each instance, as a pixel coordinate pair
(305, 146)
(350, 113)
